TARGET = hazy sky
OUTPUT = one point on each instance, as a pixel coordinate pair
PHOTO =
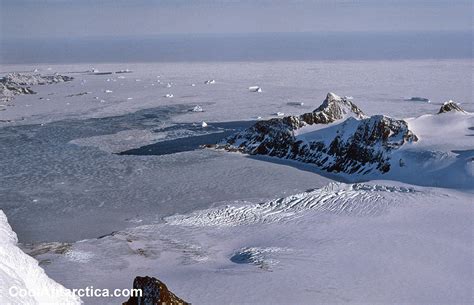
(86, 18)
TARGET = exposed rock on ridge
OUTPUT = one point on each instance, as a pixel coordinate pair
(332, 109)
(277, 135)
(450, 106)
(35, 79)
(18, 83)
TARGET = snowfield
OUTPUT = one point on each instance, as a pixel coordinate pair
(103, 179)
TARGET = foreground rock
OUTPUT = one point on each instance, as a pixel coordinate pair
(19, 83)
(154, 292)
(360, 144)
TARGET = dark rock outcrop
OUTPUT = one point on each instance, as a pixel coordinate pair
(360, 144)
(35, 79)
(450, 106)
(9, 90)
(19, 83)
(154, 292)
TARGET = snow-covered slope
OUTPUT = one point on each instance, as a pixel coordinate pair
(443, 155)
(20, 272)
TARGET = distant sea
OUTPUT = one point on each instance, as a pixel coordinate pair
(241, 47)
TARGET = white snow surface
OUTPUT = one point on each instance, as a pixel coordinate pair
(442, 156)
(446, 131)
(20, 271)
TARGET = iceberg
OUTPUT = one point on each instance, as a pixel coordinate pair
(255, 89)
(197, 108)
(419, 99)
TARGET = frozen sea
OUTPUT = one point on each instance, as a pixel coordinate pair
(276, 232)
(48, 172)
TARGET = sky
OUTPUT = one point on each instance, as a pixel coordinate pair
(36, 19)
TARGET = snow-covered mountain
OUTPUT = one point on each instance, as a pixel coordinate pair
(21, 272)
(358, 144)
(339, 138)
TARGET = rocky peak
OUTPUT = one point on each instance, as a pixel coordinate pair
(154, 292)
(277, 133)
(332, 109)
(450, 106)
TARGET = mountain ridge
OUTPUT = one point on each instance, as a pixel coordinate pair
(360, 144)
